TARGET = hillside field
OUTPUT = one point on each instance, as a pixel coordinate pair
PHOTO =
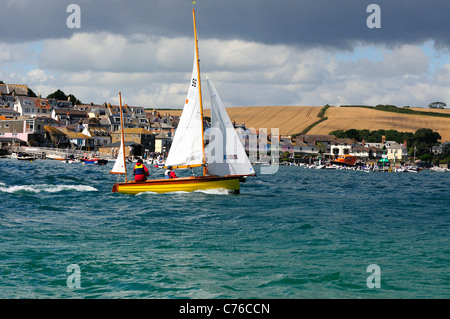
(345, 118)
(293, 119)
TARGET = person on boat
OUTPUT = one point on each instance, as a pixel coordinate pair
(169, 173)
(140, 171)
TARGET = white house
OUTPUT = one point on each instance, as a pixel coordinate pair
(366, 151)
(100, 135)
(342, 146)
(395, 151)
(25, 106)
(360, 151)
(32, 107)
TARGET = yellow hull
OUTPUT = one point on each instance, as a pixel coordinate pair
(185, 184)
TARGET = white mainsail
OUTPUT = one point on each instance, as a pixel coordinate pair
(187, 145)
(119, 165)
(226, 155)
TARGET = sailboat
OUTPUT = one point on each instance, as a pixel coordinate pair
(225, 164)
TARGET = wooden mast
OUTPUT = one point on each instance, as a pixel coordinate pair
(123, 138)
(200, 94)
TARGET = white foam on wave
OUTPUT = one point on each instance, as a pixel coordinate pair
(146, 193)
(45, 188)
(214, 191)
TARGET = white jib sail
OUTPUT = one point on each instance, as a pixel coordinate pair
(187, 145)
(226, 155)
(119, 165)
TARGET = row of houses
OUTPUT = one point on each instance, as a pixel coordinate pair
(40, 122)
(329, 146)
(46, 122)
(64, 112)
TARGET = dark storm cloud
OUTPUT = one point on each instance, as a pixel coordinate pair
(337, 24)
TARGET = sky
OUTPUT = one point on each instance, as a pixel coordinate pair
(257, 52)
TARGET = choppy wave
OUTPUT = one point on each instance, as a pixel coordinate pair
(296, 234)
(45, 188)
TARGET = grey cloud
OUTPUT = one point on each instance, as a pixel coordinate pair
(334, 24)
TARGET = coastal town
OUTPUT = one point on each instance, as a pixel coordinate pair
(58, 129)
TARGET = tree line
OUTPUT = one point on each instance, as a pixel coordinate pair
(420, 142)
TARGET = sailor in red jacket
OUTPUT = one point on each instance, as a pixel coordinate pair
(169, 173)
(140, 172)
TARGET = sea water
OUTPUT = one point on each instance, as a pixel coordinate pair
(299, 233)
